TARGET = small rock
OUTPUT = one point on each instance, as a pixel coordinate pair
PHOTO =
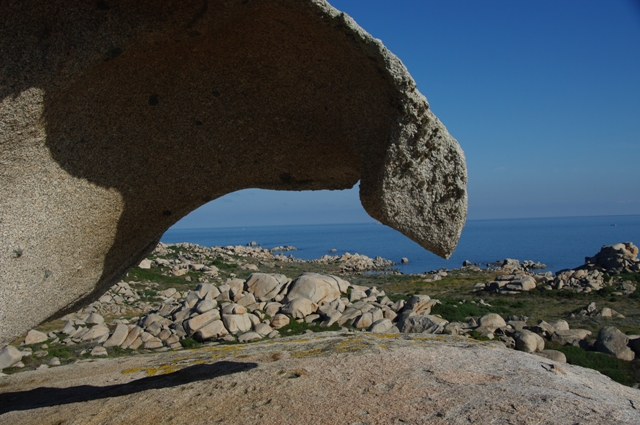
(555, 355)
(279, 321)
(34, 337)
(99, 351)
(249, 336)
(9, 356)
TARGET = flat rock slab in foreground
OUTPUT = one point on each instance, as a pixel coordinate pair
(330, 378)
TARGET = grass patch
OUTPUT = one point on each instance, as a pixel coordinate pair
(154, 274)
(59, 351)
(623, 372)
(295, 328)
(451, 310)
(189, 343)
(221, 265)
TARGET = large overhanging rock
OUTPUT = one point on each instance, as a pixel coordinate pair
(119, 118)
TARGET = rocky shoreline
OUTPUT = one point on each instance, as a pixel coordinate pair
(221, 308)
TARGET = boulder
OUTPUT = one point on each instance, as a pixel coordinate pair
(194, 324)
(97, 333)
(380, 326)
(560, 325)
(422, 324)
(555, 355)
(352, 113)
(272, 308)
(263, 329)
(521, 283)
(98, 351)
(237, 323)
(317, 288)
(9, 356)
(613, 342)
(145, 264)
(363, 321)
(249, 337)
(206, 305)
(299, 308)
(279, 320)
(35, 337)
(528, 341)
(420, 304)
(492, 321)
(211, 330)
(134, 334)
(233, 309)
(570, 336)
(118, 337)
(265, 287)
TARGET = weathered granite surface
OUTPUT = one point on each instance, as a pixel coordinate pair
(337, 378)
(120, 117)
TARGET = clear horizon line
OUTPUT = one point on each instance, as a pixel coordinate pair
(377, 222)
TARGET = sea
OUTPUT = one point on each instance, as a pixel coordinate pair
(560, 243)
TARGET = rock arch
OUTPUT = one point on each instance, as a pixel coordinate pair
(120, 117)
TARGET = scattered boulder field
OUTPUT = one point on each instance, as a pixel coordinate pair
(221, 308)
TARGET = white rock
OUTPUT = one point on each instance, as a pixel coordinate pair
(96, 333)
(99, 351)
(145, 264)
(279, 320)
(9, 356)
(214, 329)
(237, 323)
(54, 362)
(528, 341)
(299, 308)
(363, 321)
(492, 321)
(272, 308)
(118, 336)
(233, 309)
(68, 328)
(381, 326)
(134, 333)
(206, 305)
(94, 319)
(560, 325)
(249, 336)
(153, 343)
(317, 288)
(265, 286)
(197, 322)
(263, 329)
(34, 337)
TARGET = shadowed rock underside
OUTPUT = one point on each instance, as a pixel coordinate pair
(119, 118)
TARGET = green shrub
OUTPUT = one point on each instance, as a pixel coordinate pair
(626, 373)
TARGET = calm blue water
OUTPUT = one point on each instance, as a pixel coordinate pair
(557, 242)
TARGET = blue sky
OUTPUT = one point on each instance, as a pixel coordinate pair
(543, 96)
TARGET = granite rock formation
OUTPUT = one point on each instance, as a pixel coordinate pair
(120, 117)
(350, 378)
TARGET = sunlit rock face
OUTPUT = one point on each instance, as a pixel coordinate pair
(119, 118)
